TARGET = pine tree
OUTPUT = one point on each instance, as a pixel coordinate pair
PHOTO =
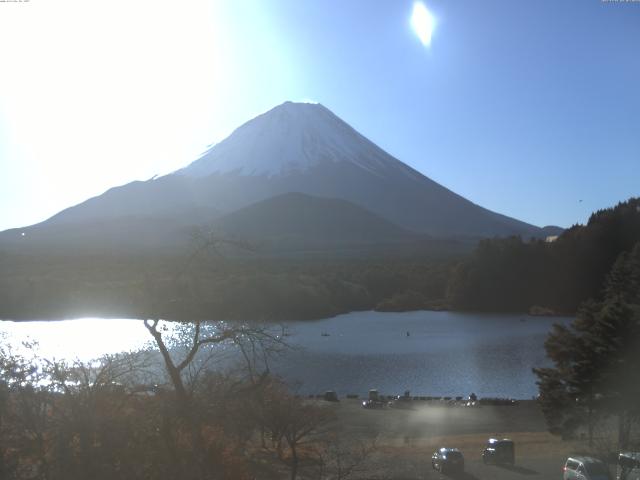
(597, 358)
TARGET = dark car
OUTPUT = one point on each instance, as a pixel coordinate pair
(628, 466)
(585, 468)
(499, 452)
(404, 401)
(448, 460)
(331, 396)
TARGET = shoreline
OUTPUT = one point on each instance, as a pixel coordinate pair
(351, 355)
(114, 316)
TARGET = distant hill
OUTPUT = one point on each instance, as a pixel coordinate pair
(514, 275)
(297, 220)
(111, 235)
(294, 147)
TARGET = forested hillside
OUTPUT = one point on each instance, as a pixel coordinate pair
(214, 287)
(502, 274)
(516, 275)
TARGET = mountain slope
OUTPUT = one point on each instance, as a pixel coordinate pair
(292, 139)
(303, 221)
(292, 148)
(306, 148)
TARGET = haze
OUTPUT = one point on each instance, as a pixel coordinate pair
(531, 110)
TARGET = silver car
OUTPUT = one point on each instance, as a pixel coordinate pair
(585, 468)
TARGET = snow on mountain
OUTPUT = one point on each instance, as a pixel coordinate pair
(290, 139)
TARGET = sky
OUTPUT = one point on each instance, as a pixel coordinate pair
(528, 108)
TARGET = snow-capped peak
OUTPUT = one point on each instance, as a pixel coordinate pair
(290, 138)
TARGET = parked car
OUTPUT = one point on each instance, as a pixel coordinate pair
(585, 468)
(447, 460)
(499, 451)
(373, 404)
(628, 467)
(374, 395)
(331, 396)
(404, 401)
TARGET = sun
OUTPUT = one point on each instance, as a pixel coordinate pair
(423, 23)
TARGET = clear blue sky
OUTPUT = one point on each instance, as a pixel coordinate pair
(529, 108)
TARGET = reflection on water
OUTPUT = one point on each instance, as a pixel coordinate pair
(83, 339)
(444, 353)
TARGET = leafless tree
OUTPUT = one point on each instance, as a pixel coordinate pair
(344, 456)
(294, 425)
(185, 367)
(193, 348)
(87, 400)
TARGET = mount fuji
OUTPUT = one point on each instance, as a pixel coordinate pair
(293, 148)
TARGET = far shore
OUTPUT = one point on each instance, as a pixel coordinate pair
(126, 316)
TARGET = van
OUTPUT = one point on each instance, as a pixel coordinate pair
(499, 452)
(628, 466)
(585, 468)
(448, 460)
(331, 396)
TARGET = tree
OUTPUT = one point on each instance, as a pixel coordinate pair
(255, 342)
(93, 415)
(596, 359)
(293, 425)
(344, 456)
(15, 374)
(511, 275)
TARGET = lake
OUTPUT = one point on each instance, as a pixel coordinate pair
(428, 353)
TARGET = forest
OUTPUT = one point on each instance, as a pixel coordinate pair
(215, 287)
(511, 274)
(211, 281)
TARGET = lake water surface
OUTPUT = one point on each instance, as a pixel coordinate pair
(428, 353)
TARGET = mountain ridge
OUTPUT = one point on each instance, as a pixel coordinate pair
(293, 147)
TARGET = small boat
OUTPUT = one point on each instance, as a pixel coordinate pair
(324, 334)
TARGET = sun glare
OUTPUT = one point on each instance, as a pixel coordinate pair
(423, 23)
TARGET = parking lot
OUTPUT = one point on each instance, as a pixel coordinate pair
(407, 437)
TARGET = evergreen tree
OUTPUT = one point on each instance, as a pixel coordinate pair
(597, 358)
(509, 274)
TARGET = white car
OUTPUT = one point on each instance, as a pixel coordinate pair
(585, 468)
